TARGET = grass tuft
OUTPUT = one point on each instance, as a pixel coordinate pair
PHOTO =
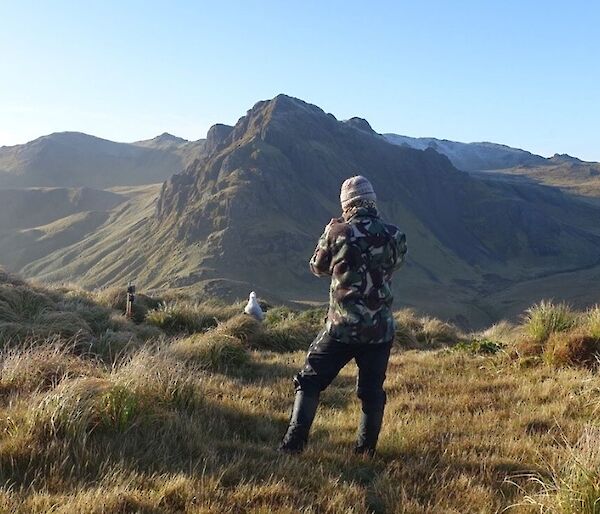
(289, 335)
(38, 367)
(546, 317)
(574, 488)
(212, 350)
(591, 321)
(414, 332)
(245, 328)
(574, 348)
(181, 317)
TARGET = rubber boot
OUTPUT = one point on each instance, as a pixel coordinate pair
(368, 430)
(303, 414)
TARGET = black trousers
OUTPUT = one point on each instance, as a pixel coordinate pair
(327, 356)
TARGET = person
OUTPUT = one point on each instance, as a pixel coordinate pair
(360, 252)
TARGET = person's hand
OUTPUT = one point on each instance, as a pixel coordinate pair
(332, 222)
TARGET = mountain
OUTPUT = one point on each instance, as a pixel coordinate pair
(257, 201)
(246, 214)
(471, 156)
(73, 159)
(568, 173)
(163, 141)
(564, 172)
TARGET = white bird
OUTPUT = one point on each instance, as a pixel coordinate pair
(253, 308)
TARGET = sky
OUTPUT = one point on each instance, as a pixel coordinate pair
(524, 73)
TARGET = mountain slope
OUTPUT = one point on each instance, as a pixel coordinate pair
(565, 172)
(256, 204)
(471, 156)
(73, 159)
(247, 213)
(285, 153)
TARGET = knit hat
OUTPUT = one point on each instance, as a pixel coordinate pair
(356, 188)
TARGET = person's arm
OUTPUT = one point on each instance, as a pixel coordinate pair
(398, 251)
(320, 263)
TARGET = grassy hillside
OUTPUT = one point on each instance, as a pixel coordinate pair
(562, 171)
(180, 409)
(73, 159)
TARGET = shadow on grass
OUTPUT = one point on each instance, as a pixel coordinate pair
(263, 372)
(237, 446)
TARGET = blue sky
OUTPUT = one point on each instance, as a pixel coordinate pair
(522, 73)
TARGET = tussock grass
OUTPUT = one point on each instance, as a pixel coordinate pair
(573, 348)
(212, 350)
(30, 313)
(38, 367)
(502, 332)
(436, 332)
(574, 488)
(287, 330)
(187, 317)
(423, 332)
(591, 321)
(73, 409)
(167, 427)
(115, 298)
(160, 379)
(547, 317)
(245, 328)
(289, 335)
(559, 336)
(25, 312)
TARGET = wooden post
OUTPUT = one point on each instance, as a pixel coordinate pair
(130, 300)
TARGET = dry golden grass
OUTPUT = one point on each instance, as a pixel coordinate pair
(212, 350)
(190, 424)
(574, 348)
(423, 332)
(591, 321)
(462, 433)
(575, 486)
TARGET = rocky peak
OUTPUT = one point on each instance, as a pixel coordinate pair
(165, 137)
(360, 124)
(564, 158)
(217, 134)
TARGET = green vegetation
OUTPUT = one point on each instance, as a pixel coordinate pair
(479, 346)
(186, 417)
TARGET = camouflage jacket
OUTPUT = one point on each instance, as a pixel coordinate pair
(360, 255)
